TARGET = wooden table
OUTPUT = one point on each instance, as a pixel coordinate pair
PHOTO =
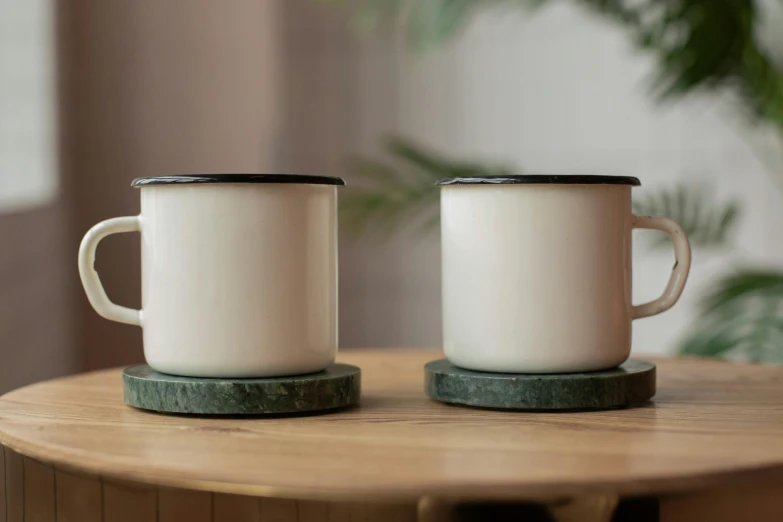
(708, 447)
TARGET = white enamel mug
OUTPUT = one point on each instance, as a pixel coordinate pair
(537, 272)
(239, 273)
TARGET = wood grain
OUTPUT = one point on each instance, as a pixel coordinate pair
(79, 497)
(175, 505)
(236, 508)
(2, 486)
(41, 493)
(313, 511)
(14, 486)
(756, 503)
(278, 510)
(40, 498)
(712, 423)
(129, 502)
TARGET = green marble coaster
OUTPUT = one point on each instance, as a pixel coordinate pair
(632, 382)
(336, 387)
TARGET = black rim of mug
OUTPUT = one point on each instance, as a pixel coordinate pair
(541, 179)
(182, 179)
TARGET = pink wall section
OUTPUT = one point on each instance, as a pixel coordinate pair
(153, 88)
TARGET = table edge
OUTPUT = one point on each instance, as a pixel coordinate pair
(652, 485)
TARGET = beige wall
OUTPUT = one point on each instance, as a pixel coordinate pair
(37, 316)
(154, 88)
(172, 86)
(186, 86)
(343, 97)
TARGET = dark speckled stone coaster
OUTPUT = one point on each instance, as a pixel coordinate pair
(336, 387)
(633, 382)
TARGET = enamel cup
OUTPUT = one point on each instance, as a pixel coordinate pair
(537, 272)
(239, 273)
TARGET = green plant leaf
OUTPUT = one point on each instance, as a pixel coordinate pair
(744, 285)
(399, 192)
(697, 44)
(425, 163)
(708, 223)
(717, 340)
(426, 23)
(741, 318)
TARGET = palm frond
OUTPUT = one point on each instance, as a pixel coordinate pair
(697, 44)
(708, 223)
(741, 286)
(426, 23)
(400, 191)
(741, 318)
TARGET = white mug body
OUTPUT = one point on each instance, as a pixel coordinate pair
(238, 279)
(537, 275)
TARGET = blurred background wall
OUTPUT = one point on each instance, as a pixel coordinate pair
(559, 92)
(153, 88)
(37, 287)
(159, 88)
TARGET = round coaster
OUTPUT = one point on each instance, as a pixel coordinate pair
(336, 387)
(632, 382)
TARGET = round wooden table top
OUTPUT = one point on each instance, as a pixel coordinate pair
(711, 423)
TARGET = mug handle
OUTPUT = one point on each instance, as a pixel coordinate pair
(90, 280)
(682, 265)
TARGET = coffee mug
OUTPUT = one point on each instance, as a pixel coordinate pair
(239, 273)
(537, 272)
